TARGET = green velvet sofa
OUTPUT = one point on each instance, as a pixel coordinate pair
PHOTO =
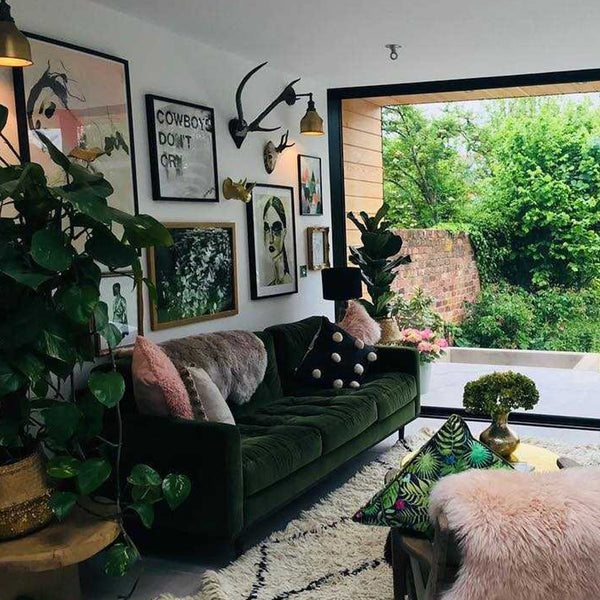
(285, 440)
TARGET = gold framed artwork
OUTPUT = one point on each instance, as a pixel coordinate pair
(317, 239)
(125, 309)
(196, 277)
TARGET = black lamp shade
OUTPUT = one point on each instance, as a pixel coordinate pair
(341, 283)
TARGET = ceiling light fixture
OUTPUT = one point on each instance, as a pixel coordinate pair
(15, 50)
(393, 48)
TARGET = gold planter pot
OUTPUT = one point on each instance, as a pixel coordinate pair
(24, 495)
(390, 331)
(499, 437)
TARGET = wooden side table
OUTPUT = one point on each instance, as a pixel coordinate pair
(45, 565)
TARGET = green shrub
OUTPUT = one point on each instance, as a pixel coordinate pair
(417, 312)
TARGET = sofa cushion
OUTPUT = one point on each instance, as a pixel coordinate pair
(338, 419)
(271, 453)
(335, 359)
(291, 343)
(390, 392)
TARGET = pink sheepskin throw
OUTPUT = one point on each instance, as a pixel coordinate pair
(157, 386)
(359, 324)
(523, 536)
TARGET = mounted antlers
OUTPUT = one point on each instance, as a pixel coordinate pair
(239, 128)
(271, 152)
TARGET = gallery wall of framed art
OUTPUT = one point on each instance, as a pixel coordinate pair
(133, 56)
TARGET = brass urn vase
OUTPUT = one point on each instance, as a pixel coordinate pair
(390, 332)
(499, 438)
(24, 495)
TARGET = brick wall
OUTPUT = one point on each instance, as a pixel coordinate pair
(443, 264)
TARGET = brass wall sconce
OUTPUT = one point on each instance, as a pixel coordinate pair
(239, 128)
(15, 50)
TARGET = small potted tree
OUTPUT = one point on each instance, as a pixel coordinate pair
(378, 258)
(496, 395)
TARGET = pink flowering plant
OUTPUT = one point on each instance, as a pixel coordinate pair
(429, 345)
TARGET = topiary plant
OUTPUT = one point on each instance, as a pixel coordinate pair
(52, 241)
(500, 393)
(377, 259)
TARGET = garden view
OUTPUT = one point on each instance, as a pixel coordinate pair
(522, 178)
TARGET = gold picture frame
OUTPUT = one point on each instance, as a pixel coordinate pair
(318, 251)
(164, 269)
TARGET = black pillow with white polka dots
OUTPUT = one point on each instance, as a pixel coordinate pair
(335, 359)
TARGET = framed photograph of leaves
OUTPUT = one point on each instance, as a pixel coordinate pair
(196, 277)
(81, 100)
(125, 309)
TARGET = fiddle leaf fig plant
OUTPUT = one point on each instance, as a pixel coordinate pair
(377, 258)
(53, 242)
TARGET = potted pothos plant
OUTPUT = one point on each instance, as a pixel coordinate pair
(378, 258)
(53, 242)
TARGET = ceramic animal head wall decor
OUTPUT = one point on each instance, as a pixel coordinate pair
(238, 190)
(271, 152)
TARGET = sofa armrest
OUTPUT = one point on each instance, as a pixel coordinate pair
(208, 453)
(396, 359)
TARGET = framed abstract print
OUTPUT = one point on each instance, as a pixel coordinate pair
(183, 150)
(196, 277)
(317, 240)
(125, 308)
(310, 185)
(81, 100)
(272, 241)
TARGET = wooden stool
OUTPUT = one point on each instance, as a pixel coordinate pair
(44, 565)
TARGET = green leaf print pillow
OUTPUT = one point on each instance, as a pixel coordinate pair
(404, 501)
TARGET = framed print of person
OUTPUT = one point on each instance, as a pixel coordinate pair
(125, 308)
(196, 277)
(183, 150)
(80, 99)
(310, 185)
(272, 241)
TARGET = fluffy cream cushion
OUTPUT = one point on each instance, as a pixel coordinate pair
(523, 536)
(212, 404)
(359, 324)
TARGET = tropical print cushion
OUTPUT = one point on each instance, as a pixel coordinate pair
(404, 501)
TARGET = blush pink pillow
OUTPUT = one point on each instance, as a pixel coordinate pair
(359, 324)
(157, 386)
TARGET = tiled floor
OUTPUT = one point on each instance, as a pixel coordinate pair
(178, 570)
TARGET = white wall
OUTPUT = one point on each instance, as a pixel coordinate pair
(171, 65)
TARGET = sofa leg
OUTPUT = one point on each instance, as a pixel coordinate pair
(401, 433)
(238, 546)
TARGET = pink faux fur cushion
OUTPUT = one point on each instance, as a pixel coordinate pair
(157, 385)
(359, 324)
(524, 536)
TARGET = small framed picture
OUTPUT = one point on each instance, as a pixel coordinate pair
(318, 248)
(272, 241)
(196, 277)
(125, 309)
(183, 150)
(310, 185)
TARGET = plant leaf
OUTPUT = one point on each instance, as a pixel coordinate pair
(145, 512)
(79, 302)
(176, 489)
(108, 250)
(61, 421)
(63, 467)
(62, 504)
(144, 475)
(10, 380)
(112, 334)
(92, 474)
(49, 251)
(107, 388)
(119, 558)
(100, 316)
(55, 154)
(3, 117)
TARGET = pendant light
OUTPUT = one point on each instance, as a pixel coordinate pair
(311, 123)
(15, 50)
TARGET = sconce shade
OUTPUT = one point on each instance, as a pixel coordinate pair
(311, 123)
(15, 50)
(341, 283)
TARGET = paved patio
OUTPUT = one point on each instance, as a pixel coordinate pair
(562, 392)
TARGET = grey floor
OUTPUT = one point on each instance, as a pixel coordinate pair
(178, 570)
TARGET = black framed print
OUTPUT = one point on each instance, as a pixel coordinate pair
(183, 150)
(81, 100)
(310, 185)
(272, 241)
(125, 309)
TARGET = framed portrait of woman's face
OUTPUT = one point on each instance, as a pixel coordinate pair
(272, 241)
